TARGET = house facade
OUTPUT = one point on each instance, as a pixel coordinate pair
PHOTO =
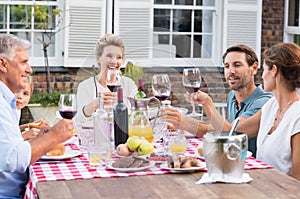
(159, 35)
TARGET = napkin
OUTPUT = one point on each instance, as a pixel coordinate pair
(225, 178)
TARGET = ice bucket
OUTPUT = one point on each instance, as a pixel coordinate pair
(225, 155)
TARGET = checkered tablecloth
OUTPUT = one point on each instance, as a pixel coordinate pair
(78, 168)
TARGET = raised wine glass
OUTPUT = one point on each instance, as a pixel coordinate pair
(191, 80)
(113, 79)
(161, 86)
(67, 105)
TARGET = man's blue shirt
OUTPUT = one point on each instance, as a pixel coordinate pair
(15, 153)
(248, 108)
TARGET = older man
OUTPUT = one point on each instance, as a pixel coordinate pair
(245, 99)
(15, 153)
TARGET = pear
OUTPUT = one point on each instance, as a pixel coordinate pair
(133, 143)
(145, 148)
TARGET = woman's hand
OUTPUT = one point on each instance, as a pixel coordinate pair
(109, 98)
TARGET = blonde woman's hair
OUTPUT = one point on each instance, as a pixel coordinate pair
(109, 40)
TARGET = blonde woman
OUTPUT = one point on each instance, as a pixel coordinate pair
(110, 56)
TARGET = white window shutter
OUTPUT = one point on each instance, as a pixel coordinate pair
(85, 22)
(133, 22)
(242, 23)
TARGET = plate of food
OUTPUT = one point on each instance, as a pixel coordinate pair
(130, 164)
(59, 152)
(183, 163)
(187, 169)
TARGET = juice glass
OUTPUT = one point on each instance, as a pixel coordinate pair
(175, 143)
(98, 154)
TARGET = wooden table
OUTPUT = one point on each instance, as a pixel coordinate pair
(267, 183)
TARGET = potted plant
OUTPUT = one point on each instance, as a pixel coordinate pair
(44, 105)
(133, 71)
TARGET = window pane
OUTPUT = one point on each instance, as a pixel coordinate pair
(161, 20)
(24, 35)
(183, 45)
(203, 21)
(190, 29)
(162, 1)
(164, 39)
(202, 46)
(3, 23)
(293, 19)
(297, 39)
(205, 2)
(183, 2)
(38, 45)
(44, 17)
(182, 20)
(20, 17)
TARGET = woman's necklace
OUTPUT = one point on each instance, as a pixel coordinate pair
(280, 114)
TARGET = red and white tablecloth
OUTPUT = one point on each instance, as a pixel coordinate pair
(78, 168)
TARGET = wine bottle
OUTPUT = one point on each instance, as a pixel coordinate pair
(120, 114)
(140, 93)
(101, 124)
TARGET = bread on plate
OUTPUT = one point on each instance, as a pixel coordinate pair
(58, 150)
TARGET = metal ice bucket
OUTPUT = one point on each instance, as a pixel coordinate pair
(225, 155)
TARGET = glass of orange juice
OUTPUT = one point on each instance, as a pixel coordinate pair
(175, 143)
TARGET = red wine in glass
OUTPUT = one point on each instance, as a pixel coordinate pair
(192, 89)
(161, 97)
(67, 114)
(67, 105)
(161, 86)
(113, 88)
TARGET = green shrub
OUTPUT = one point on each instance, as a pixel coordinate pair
(46, 99)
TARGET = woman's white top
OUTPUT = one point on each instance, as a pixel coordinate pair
(275, 149)
(87, 92)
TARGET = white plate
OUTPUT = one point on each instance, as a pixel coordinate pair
(109, 165)
(190, 169)
(121, 156)
(69, 153)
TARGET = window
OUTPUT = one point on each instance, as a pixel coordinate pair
(185, 24)
(292, 26)
(27, 20)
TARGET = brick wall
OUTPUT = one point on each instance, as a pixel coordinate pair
(272, 23)
(213, 82)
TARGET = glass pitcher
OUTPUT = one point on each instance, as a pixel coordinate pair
(139, 123)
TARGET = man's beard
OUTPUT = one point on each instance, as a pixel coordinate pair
(240, 85)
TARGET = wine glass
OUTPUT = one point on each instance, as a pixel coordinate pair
(113, 79)
(67, 105)
(191, 81)
(161, 86)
